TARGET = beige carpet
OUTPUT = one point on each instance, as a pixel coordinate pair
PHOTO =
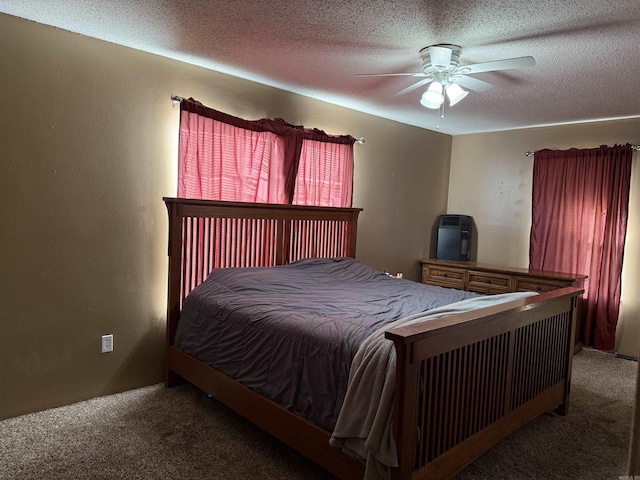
(158, 433)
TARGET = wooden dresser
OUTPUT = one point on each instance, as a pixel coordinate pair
(489, 279)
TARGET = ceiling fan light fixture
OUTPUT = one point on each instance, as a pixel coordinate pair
(455, 93)
(433, 97)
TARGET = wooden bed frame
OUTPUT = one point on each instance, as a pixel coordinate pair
(463, 382)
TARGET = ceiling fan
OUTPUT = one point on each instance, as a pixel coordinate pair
(441, 66)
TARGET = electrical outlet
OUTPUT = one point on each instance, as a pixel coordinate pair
(107, 343)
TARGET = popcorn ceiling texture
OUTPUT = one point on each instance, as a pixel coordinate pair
(586, 50)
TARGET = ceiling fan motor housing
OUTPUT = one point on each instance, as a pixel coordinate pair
(440, 57)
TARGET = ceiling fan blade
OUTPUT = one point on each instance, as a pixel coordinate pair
(440, 56)
(414, 74)
(615, 27)
(505, 64)
(411, 88)
(473, 84)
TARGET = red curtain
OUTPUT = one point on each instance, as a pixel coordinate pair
(222, 157)
(579, 224)
(325, 172)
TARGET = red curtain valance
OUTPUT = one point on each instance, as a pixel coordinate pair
(277, 125)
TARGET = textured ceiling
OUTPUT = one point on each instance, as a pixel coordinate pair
(586, 51)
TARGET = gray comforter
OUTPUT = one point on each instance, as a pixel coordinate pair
(290, 332)
(364, 426)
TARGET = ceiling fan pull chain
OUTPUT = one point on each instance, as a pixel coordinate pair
(440, 114)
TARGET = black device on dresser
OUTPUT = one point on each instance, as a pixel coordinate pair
(454, 237)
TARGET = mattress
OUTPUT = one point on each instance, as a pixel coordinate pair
(290, 332)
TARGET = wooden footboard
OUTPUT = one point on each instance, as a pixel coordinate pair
(463, 382)
(466, 381)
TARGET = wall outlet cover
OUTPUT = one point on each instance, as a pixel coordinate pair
(107, 343)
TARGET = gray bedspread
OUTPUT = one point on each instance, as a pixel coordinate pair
(290, 332)
(364, 426)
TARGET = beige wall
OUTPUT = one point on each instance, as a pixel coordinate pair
(88, 150)
(491, 181)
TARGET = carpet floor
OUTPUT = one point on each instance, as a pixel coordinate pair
(181, 433)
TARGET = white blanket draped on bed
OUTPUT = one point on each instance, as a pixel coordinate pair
(364, 426)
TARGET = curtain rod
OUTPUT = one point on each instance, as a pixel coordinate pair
(176, 99)
(633, 147)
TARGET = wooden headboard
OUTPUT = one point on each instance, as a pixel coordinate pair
(206, 234)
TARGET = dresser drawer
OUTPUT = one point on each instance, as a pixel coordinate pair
(443, 276)
(532, 284)
(486, 279)
(486, 282)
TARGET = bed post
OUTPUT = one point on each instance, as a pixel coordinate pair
(563, 409)
(174, 209)
(404, 415)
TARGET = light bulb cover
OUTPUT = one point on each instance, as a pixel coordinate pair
(433, 97)
(455, 93)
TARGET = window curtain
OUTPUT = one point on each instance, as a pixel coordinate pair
(325, 172)
(579, 224)
(222, 157)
